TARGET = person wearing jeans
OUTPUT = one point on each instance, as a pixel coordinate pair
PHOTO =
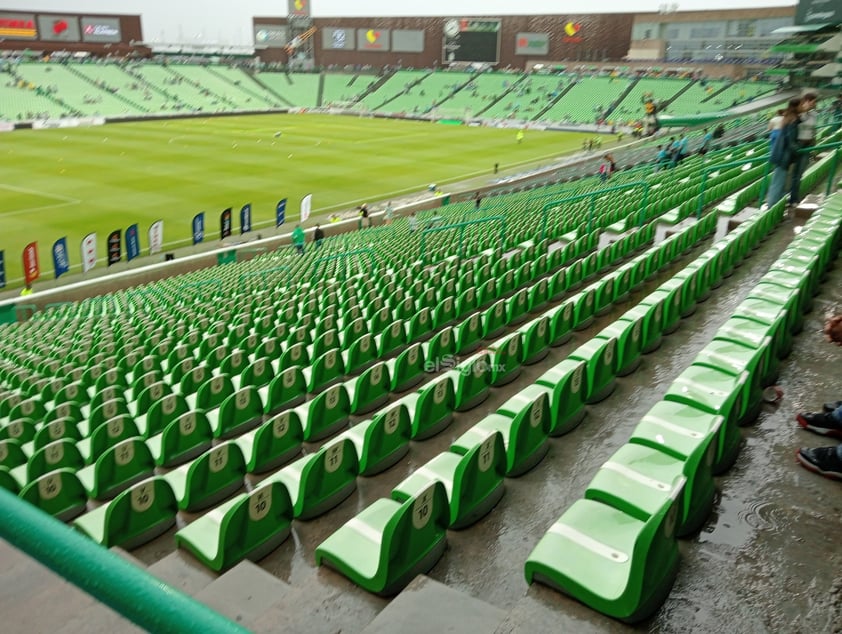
(806, 139)
(783, 152)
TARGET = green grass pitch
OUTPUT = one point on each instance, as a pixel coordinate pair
(70, 182)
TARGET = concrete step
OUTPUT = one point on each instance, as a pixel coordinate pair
(182, 572)
(427, 606)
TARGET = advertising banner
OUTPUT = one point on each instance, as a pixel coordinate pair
(271, 35)
(245, 218)
(298, 8)
(199, 227)
(61, 261)
(306, 204)
(101, 30)
(18, 26)
(225, 224)
(132, 243)
(532, 44)
(88, 252)
(31, 268)
(114, 247)
(59, 28)
(156, 236)
(281, 212)
(407, 41)
(335, 38)
(818, 12)
(376, 40)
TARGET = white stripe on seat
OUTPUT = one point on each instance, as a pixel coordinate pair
(364, 530)
(603, 550)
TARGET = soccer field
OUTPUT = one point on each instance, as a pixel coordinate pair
(70, 182)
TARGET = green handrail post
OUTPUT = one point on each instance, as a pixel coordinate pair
(833, 165)
(132, 592)
(343, 256)
(591, 212)
(592, 196)
(721, 168)
(461, 226)
(763, 186)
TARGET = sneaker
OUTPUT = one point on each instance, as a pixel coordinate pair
(821, 423)
(827, 408)
(821, 460)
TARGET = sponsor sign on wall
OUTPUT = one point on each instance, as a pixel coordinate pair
(270, 35)
(407, 41)
(376, 40)
(101, 30)
(335, 38)
(298, 8)
(18, 26)
(532, 44)
(818, 12)
(59, 28)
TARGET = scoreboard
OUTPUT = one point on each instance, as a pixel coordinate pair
(471, 40)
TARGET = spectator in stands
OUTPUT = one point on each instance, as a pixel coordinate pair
(298, 239)
(662, 159)
(783, 152)
(318, 236)
(681, 150)
(388, 213)
(806, 139)
(774, 127)
(364, 220)
(413, 222)
(707, 139)
(477, 200)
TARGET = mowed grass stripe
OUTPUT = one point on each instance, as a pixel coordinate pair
(171, 170)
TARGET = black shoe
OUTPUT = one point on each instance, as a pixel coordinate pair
(822, 424)
(822, 460)
(829, 407)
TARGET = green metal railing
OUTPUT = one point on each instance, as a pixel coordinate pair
(461, 226)
(756, 160)
(592, 196)
(342, 257)
(122, 586)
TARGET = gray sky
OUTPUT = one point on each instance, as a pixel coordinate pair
(229, 22)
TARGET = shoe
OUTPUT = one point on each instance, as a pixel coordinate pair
(827, 408)
(822, 460)
(821, 423)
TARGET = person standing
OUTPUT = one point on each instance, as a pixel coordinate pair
(806, 139)
(413, 222)
(477, 200)
(318, 236)
(783, 153)
(298, 239)
(388, 213)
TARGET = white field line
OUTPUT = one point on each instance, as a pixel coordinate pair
(66, 201)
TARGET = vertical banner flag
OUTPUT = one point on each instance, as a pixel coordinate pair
(61, 261)
(281, 212)
(114, 249)
(199, 227)
(31, 269)
(245, 218)
(306, 204)
(88, 252)
(156, 236)
(225, 224)
(132, 243)
(2, 270)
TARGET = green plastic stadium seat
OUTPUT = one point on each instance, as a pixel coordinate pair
(117, 468)
(535, 340)
(473, 479)
(239, 412)
(651, 332)
(770, 314)
(370, 389)
(183, 439)
(59, 454)
(273, 443)
(617, 564)
(505, 359)
(714, 392)
(11, 453)
(381, 441)
(566, 383)
(208, 479)
(629, 353)
(468, 334)
(583, 308)
(106, 436)
(136, 516)
(693, 439)
(471, 381)
(361, 354)
(249, 526)
(22, 430)
(326, 370)
(407, 369)
(494, 319)
(386, 545)
(160, 414)
(320, 481)
(430, 408)
(599, 356)
(7, 481)
(109, 410)
(325, 414)
(58, 493)
(561, 322)
(440, 349)
(288, 389)
(391, 339)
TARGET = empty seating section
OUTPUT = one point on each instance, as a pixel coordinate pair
(19, 101)
(587, 100)
(478, 92)
(344, 89)
(517, 94)
(433, 89)
(300, 90)
(691, 100)
(257, 96)
(394, 85)
(181, 88)
(631, 107)
(741, 92)
(107, 97)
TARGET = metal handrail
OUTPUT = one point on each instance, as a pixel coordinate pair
(132, 592)
(592, 196)
(462, 226)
